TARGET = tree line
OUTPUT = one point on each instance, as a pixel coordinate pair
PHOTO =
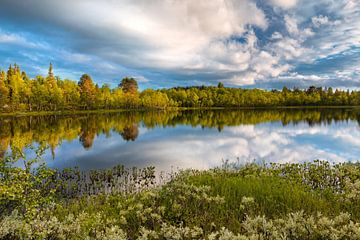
(18, 92)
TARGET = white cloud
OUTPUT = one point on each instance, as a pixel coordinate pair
(312, 77)
(246, 78)
(290, 47)
(321, 20)
(336, 35)
(10, 38)
(141, 79)
(171, 33)
(196, 38)
(168, 35)
(291, 25)
(276, 36)
(75, 57)
(246, 61)
(286, 4)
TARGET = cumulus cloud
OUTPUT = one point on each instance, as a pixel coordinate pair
(161, 33)
(240, 42)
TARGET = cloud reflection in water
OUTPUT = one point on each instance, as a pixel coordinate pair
(202, 148)
(187, 139)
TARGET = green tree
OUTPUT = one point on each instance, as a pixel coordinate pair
(54, 96)
(87, 91)
(129, 85)
(154, 99)
(118, 98)
(15, 84)
(4, 91)
(71, 93)
(105, 96)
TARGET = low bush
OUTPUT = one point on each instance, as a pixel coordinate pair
(314, 200)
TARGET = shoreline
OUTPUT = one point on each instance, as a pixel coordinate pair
(98, 111)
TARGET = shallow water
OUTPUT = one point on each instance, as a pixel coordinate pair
(187, 139)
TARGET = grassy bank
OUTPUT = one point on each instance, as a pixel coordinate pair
(291, 201)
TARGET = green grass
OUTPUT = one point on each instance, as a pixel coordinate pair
(274, 196)
(214, 198)
(296, 201)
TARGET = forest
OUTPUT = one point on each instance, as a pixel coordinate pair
(18, 92)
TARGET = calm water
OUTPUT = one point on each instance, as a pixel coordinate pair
(187, 139)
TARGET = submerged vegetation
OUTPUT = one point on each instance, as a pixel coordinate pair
(50, 93)
(315, 200)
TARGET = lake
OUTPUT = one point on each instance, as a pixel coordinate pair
(186, 139)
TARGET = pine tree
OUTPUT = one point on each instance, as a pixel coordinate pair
(54, 92)
(8, 77)
(50, 72)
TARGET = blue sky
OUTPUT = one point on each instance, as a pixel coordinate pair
(165, 43)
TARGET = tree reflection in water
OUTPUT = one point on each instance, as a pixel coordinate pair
(130, 133)
(21, 132)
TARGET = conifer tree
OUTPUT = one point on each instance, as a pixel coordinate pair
(54, 92)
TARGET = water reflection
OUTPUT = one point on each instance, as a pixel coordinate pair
(187, 138)
(130, 132)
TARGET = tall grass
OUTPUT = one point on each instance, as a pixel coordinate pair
(292, 201)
